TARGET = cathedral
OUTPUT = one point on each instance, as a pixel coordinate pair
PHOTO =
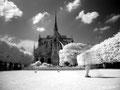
(48, 48)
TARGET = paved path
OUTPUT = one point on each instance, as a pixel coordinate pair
(64, 80)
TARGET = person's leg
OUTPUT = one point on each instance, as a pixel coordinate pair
(87, 70)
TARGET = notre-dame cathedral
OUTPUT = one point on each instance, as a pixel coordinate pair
(48, 48)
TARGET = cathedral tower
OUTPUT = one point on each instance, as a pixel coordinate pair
(48, 48)
(55, 41)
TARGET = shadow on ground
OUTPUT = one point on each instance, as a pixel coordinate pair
(104, 77)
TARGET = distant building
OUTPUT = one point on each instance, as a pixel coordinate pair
(48, 48)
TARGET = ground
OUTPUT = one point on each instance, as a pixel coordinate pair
(102, 79)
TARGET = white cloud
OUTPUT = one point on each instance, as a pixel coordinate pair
(96, 29)
(87, 18)
(9, 10)
(27, 45)
(40, 29)
(39, 17)
(72, 5)
(102, 28)
(113, 19)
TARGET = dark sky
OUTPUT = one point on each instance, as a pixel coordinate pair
(99, 19)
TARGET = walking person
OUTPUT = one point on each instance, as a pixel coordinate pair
(87, 68)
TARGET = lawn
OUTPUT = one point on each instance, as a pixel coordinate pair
(101, 79)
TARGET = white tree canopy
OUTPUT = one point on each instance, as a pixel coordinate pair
(10, 52)
(107, 51)
(70, 52)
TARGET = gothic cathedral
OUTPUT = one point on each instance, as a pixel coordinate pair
(48, 48)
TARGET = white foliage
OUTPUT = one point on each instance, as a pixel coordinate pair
(37, 63)
(88, 57)
(10, 52)
(107, 51)
(70, 52)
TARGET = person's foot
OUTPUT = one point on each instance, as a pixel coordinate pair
(87, 76)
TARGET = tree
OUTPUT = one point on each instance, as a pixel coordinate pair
(10, 52)
(69, 53)
(107, 51)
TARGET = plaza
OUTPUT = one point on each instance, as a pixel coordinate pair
(101, 79)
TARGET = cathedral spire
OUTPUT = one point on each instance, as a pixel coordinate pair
(55, 26)
(56, 33)
(39, 40)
